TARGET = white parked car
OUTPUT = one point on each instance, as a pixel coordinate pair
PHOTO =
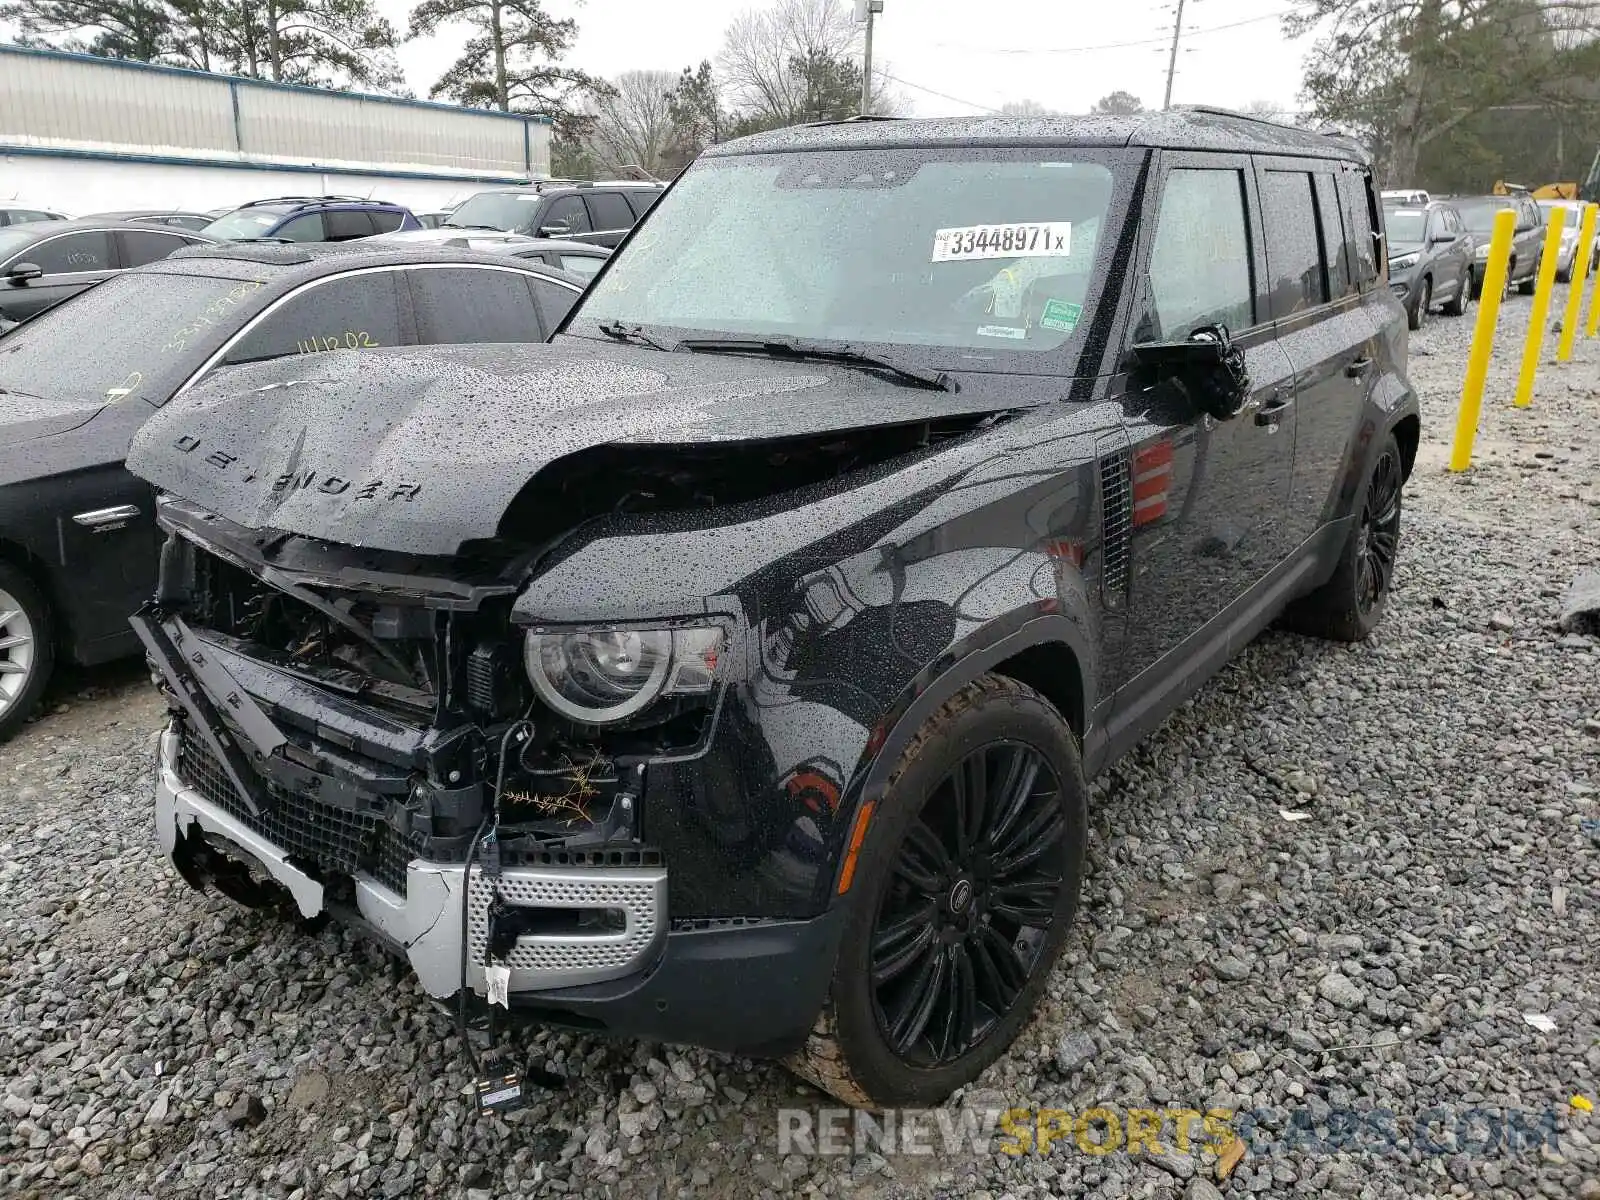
(575, 258)
(1409, 197)
(1569, 237)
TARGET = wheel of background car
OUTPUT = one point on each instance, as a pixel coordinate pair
(26, 648)
(1349, 606)
(961, 899)
(1417, 314)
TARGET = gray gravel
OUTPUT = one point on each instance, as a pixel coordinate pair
(1383, 954)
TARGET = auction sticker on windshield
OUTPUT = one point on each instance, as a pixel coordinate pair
(1022, 240)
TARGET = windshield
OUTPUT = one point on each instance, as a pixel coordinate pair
(951, 247)
(510, 211)
(1479, 214)
(1405, 225)
(132, 336)
(246, 223)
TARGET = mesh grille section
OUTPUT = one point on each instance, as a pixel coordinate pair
(640, 895)
(335, 840)
(1116, 498)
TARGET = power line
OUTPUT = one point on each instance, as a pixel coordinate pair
(1163, 40)
(953, 99)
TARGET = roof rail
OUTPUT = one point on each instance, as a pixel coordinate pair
(313, 200)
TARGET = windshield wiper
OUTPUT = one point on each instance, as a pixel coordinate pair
(5, 391)
(822, 352)
(491, 228)
(619, 332)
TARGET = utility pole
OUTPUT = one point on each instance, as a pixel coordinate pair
(864, 12)
(1172, 59)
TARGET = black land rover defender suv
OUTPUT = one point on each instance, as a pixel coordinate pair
(728, 670)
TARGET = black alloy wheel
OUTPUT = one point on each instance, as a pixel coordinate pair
(962, 900)
(962, 924)
(1378, 535)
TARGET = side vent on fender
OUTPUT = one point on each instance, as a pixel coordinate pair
(1116, 502)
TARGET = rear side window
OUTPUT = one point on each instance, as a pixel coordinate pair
(642, 200)
(554, 300)
(74, 252)
(456, 305)
(565, 216)
(1200, 265)
(140, 248)
(610, 211)
(387, 220)
(1335, 247)
(354, 312)
(21, 216)
(1294, 250)
(1361, 222)
(344, 225)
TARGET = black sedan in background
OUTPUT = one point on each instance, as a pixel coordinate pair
(77, 532)
(45, 262)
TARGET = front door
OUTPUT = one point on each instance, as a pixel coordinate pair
(69, 263)
(1208, 497)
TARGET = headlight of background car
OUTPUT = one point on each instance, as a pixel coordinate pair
(1483, 250)
(601, 676)
(1403, 261)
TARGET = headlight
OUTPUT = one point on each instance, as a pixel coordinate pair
(600, 676)
(1483, 250)
(1403, 261)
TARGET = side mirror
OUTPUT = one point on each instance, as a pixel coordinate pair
(1206, 366)
(22, 272)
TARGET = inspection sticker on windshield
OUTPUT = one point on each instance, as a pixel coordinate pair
(1023, 240)
(1061, 316)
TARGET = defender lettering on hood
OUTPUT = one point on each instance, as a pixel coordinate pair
(418, 450)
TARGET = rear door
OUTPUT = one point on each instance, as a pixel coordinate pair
(347, 224)
(1320, 324)
(70, 262)
(147, 246)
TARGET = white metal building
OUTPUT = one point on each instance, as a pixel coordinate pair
(83, 134)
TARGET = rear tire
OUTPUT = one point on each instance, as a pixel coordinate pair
(27, 648)
(1349, 606)
(964, 893)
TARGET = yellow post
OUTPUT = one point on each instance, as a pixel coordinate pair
(1580, 272)
(1494, 286)
(1534, 346)
(1594, 308)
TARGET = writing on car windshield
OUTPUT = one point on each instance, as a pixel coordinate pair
(973, 252)
(119, 339)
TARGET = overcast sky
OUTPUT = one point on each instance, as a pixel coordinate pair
(1065, 54)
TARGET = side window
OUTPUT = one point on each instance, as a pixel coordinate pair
(303, 229)
(1335, 240)
(1200, 264)
(1361, 220)
(355, 312)
(581, 264)
(565, 216)
(609, 211)
(473, 304)
(344, 225)
(140, 248)
(386, 220)
(22, 216)
(554, 301)
(74, 252)
(642, 200)
(1294, 253)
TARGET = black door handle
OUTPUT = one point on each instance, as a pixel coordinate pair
(1359, 368)
(1275, 409)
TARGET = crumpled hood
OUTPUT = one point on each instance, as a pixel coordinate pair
(419, 449)
(24, 418)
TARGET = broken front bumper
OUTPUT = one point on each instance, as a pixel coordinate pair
(424, 923)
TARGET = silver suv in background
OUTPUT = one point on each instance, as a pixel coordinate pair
(1431, 256)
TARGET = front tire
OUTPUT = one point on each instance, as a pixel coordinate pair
(1349, 606)
(1457, 306)
(964, 893)
(27, 648)
(1417, 314)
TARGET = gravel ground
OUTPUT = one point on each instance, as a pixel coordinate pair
(1379, 955)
